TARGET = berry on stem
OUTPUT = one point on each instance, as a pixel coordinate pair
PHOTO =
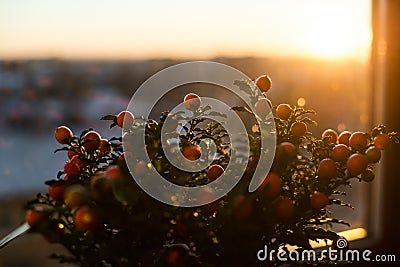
(358, 141)
(332, 134)
(192, 102)
(125, 119)
(214, 171)
(356, 164)
(318, 200)
(91, 141)
(192, 152)
(382, 141)
(264, 83)
(63, 134)
(283, 111)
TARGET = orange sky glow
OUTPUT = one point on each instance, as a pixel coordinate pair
(124, 29)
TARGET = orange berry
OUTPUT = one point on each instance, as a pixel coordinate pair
(298, 128)
(284, 209)
(262, 107)
(263, 82)
(114, 172)
(63, 134)
(340, 153)
(91, 141)
(332, 134)
(34, 217)
(192, 102)
(56, 190)
(140, 168)
(86, 219)
(288, 147)
(318, 200)
(242, 208)
(358, 141)
(344, 138)
(214, 171)
(271, 185)
(327, 170)
(373, 154)
(356, 164)
(76, 195)
(192, 152)
(74, 150)
(125, 119)
(105, 146)
(101, 188)
(368, 175)
(283, 111)
(382, 141)
(71, 169)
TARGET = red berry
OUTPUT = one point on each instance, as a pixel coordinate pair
(382, 141)
(298, 128)
(327, 170)
(34, 217)
(114, 172)
(101, 188)
(242, 208)
(340, 153)
(125, 119)
(91, 141)
(74, 150)
(332, 134)
(264, 83)
(358, 141)
(319, 200)
(214, 171)
(289, 148)
(192, 102)
(87, 219)
(284, 209)
(105, 146)
(283, 111)
(56, 190)
(63, 135)
(356, 164)
(192, 152)
(272, 185)
(344, 138)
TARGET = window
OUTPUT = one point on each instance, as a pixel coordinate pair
(318, 55)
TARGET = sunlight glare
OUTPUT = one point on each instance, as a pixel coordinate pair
(331, 37)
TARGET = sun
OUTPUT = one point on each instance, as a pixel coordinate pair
(333, 37)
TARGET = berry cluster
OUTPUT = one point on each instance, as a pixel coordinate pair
(96, 210)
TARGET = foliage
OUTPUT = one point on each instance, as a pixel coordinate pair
(129, 228)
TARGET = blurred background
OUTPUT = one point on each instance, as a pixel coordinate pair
(69, 63)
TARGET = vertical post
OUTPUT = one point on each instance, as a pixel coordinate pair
(386, 106)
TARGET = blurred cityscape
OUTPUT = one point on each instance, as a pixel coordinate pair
(39, 95)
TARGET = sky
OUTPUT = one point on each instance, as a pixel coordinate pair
(122, 29)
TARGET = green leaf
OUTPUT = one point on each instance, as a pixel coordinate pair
(243, 86)
(217, 114)
(320, 233)
(242, 109)
(108, 118)
(61, 149)
(341, 203)
(309, 121)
